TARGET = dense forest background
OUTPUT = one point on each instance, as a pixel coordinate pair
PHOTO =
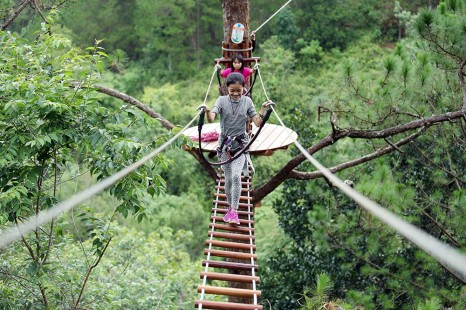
(329, 65)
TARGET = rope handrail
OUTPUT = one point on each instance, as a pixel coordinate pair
(13, 233)
(442, 252)
(281, 8)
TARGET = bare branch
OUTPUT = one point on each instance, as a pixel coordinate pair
(380, 152)
(90, 270)
(15, 14)
(210, 170)
(285, 172)
(131, 100)
(37, 8)
(461, 76)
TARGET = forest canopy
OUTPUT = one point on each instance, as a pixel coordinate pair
(375, 92)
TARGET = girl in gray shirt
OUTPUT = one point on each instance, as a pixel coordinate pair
(234, 110)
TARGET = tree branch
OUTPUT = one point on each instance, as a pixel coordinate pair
(37, 8)
(89, 272)
(260, 192)
(15, 14)
(131, 100)
(380, 152)
(210, 170)
(461, 76)
(16, 277)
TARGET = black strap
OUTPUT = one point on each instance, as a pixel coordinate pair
(244, 149)
(252, 85)
(218, 78)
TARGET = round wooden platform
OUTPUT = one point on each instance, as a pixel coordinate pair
(272, 137)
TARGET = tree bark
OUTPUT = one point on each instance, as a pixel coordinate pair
(461, 75)
(15, 14)
(235, 11)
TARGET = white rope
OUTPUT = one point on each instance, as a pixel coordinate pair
(12, 234)
(283, 6)
(251, 243)
(262, 82)
(204, 280)
(210, 84)
(442, 252)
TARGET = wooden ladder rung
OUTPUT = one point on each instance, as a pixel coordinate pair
(223, 211)
(237, 292)
(243, 178)
(217, 234)
(243, 184)
(241, 221)
(241, 198)
(222, 188)
(232, 228)
(207, 304)
(229, 265)
(224, 203)
(230, 254)
(228, 277)
(231, 245)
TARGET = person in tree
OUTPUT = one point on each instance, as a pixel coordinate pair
(234, 110)
(236, 65)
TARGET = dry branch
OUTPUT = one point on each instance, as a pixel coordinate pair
(287, 171)
(131, 100)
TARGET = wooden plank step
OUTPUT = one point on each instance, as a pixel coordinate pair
(224, 211)
(243, 178)
(224, 196)
(228, 291)
(243, 184)
(230, 254)
(206, 304)
(222, 188)
(241, 221)
(229, 265)
(217, 234)
(224, 203)
(231, 245)
(227, 227)
(228, 277)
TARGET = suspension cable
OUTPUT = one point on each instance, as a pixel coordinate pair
(13, 233)
(210, 84)
(283, 6)
(442, 252)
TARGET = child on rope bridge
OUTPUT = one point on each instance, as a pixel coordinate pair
(234, 109)
(237, 65)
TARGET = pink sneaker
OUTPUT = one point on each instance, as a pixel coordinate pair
(234, 217)
(227, 216)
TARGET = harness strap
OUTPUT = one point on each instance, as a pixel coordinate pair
(245, 148)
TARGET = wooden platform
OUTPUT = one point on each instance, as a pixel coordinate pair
(272, 137)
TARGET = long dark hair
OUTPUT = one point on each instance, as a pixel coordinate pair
(240, 59)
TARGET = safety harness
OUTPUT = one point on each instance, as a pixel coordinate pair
(235, 153)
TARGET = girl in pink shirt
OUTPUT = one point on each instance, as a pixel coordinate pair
(237, 65)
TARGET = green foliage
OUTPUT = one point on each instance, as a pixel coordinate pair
(139, 270)
(47, 123)
(370, 265)
(315, 299)
(49, 128)
(310, 53)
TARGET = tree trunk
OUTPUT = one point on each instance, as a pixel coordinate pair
(236, 11)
